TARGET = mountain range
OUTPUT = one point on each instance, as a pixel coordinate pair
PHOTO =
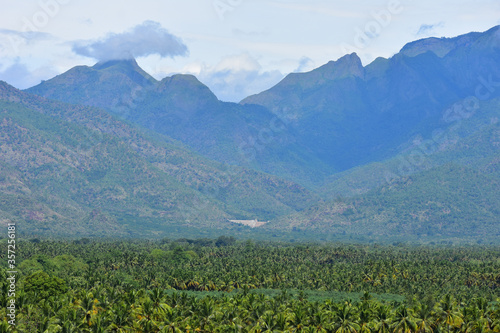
(405, 147)
(186, 110)
(77, 170)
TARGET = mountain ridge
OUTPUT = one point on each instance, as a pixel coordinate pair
(226, 132)
(326, 114)
(345, 131)
(378, 110)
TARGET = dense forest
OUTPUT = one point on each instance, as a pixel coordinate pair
(224, 285)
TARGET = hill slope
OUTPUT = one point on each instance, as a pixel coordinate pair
(185, 109)
(310, 125)
(471, 141)
(446, 202)
(350, 115)
(77, 170)
(446, 188)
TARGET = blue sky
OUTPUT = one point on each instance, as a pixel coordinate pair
(236, 47)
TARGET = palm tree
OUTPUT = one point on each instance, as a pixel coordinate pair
(344, 320)
(475, 320)
(120, 317)
(382, 319)
(5, 326)
(448, 314)
(404, 321)
(426, 322)
(267, 321)
(300, 318)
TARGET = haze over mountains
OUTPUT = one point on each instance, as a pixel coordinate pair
(406, 146)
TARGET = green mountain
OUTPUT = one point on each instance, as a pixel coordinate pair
(77, 170)
(449, 201)
(112, 84)
(310, 125)
(471, 141)
(183, 108)
(452, 192)
(405, 147)
(350, 115)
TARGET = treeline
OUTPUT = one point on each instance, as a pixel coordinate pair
(222, 285)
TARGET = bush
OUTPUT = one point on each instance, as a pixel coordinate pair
(44, 286)
(225, 241)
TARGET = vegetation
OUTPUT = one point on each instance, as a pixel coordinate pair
(222, 285)
(446, 201)
(73, 170)
(183, 108)
(386, 152)
(65, 165)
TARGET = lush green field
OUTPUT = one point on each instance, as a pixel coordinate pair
(227, 286)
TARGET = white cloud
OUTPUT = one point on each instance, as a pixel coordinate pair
(305, 64)
(235, 77)
(429, 29)
(22, 77)
(13, 42)
(142, 40)
(275, 33)
(237, 63)
(28, 36)
(23, 56)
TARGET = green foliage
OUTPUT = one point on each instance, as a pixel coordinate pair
(225, 241)
(143, 286)
(30, 266)
(66, 165)
(449, 201)
(43, 286)
(68, 265)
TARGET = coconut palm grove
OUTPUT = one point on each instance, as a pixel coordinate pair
(224, 285)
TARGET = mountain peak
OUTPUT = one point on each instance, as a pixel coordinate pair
(348, 65)
(186, 85)
(181, 78)
(121, 62)
(128, 67)
(442, 46)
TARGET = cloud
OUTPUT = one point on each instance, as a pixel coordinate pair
(142, 40)
(21, 77)
(235, 77)
(305, 64)
(238, 63)
(12, 41)
(28, 36)
(429, 29)
(233, 86)
(15, 75)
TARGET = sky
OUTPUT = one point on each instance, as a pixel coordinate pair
(236, 47)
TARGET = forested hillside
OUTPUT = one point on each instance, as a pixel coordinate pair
(69, 170)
